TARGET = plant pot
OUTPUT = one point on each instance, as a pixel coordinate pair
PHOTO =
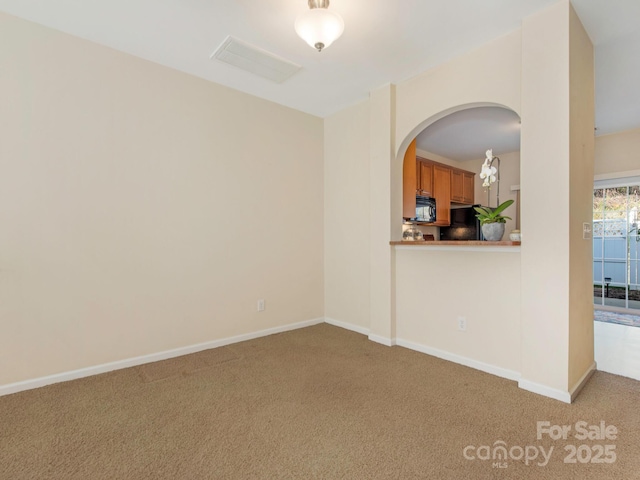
(493, 232)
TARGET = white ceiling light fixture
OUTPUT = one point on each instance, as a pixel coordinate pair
(319, 27)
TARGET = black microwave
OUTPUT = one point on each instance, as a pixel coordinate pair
(425, 209)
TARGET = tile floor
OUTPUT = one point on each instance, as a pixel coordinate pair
(617, 349)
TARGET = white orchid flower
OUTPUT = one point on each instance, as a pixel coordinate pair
(485, 170)
(488, 174)
(488, 181)
(489, 155)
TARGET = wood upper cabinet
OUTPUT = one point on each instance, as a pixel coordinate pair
(410, 180)
(442, 194)
(425, 177)
(457, 186)
(469, 186)
(417, 179)
(462, 186)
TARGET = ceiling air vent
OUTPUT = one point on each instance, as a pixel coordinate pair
(255, 60)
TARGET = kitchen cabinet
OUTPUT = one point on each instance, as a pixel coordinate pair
(469, 186)
(457, 186)
(409, 181)
(462, 186)
(424, 173)
(442, 194)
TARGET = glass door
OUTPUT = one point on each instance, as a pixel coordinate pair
(616, 245)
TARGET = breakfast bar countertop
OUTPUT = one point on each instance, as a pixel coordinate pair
(456, 243)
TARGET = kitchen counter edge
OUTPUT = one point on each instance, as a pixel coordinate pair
(456, 243)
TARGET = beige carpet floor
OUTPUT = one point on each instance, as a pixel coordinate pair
(316, 403)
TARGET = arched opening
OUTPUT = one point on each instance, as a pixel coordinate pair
(442, 161)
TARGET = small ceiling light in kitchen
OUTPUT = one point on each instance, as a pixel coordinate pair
(319, 27)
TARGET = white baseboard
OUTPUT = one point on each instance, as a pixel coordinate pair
(566, 397)
(154, 357)
(389, 342)
(347, 326)
(467, 362)
(545, 390)
(583, 381)
(386, 341)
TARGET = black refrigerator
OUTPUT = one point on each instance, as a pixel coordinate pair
(464, 225)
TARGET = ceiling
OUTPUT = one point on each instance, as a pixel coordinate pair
(384, 41)
(466, 135)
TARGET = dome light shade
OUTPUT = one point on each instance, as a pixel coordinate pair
(319, 27)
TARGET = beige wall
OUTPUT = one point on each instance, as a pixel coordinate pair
(437, 285)
(143, 209)
(384, 215)
(555, 146)
(346, 226)
(618, 153)
(545, 248)
(582, 139)
(489, 75)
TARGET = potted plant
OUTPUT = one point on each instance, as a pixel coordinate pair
(492, 222)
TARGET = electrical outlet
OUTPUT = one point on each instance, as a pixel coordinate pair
(586, 231)
(462, 324)
(261, 305)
